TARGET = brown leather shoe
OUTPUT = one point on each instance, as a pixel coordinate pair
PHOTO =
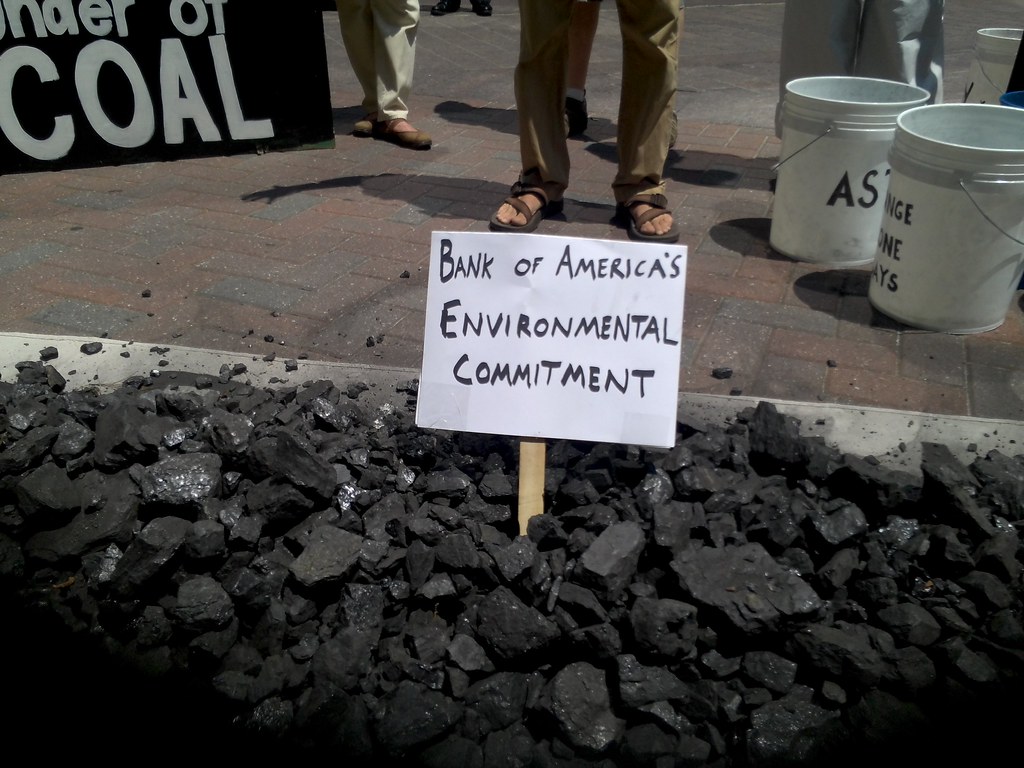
(385, 131)
(364, 127)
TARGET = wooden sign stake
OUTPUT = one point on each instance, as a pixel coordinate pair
(531, 480)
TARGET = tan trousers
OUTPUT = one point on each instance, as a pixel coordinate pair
(380, 39)
(650, 45)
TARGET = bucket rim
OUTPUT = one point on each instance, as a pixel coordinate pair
(908, 116)
(994, 32)
(919, 93)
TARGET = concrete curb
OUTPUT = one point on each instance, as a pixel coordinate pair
(118, 360)
(894, 437)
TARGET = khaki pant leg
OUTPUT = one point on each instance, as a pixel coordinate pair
(540, 94)
(357, 34)
(650, 63)
(380, 39)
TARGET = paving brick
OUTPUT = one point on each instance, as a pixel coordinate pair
(834, 353)
(28, 255)
(984, 349)
(786, 378)
(873, 388)
(233, 224)
(101, 200)
(84, 318)
(106, 238)
(21, 299)
(258, 293)
(933, 357)
(995, 392)
(736, 344)
(739, 289)
(772, 315)
(766, 270)
(287, 207)
(699, 312)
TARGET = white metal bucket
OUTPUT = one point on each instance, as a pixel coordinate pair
(995, 50)
(951, 245)
(833, 171)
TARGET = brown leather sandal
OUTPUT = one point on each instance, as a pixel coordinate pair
(533, 218)
(659, 207)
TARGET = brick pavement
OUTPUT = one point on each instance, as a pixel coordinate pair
(325, 251)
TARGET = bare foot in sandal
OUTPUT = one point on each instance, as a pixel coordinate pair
(647, 217)
(658, 226)
(513, 217)
(523, 210)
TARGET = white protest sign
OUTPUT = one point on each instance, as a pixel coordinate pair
(559, 337)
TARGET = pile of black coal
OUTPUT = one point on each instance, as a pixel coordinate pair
(196, 567)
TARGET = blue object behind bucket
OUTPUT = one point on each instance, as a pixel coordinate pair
(1012, 99)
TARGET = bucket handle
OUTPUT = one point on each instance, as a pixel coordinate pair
(993, 83)
(828, 130)
(985, 215)
(984, 75)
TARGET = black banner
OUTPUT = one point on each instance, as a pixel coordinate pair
(105, 82)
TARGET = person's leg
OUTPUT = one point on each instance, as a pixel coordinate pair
(903, 40)
(650, 61)
(675, 117)
(395, 23)
(357, 35)
(819, 37)
(582, 29)
(540, 102)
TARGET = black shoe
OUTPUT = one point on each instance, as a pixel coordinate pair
(576, 115)
(445, 6)
(481, 7)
